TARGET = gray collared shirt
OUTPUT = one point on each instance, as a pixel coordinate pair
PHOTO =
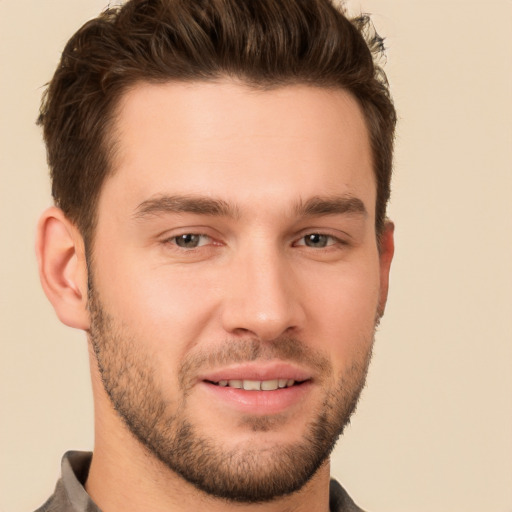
(70, 495)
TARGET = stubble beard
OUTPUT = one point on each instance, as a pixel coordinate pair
(243, 474)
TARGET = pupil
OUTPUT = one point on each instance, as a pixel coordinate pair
(316, 240)
(187, 240)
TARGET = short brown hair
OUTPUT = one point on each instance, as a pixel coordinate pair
(264, 43)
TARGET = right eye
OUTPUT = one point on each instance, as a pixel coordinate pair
(190, 240)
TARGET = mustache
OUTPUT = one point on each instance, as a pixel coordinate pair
(286, 348)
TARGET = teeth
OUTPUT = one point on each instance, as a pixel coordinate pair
(269, 385)
(257, 385)
(252, 385)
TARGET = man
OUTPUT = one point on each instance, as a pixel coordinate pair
(220, 171)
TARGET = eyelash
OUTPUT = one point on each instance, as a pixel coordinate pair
(333, 239)
(175, 239)
(329, 238)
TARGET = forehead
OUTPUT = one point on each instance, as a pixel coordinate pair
(228, 140)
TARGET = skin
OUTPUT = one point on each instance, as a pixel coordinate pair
(253, 278)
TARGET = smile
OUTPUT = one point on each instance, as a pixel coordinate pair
(257, 389)
(257, 385)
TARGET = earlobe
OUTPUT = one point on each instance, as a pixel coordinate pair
(62, 267)
(386, 251)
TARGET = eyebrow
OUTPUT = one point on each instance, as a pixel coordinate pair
(200, 205)
(330, 205)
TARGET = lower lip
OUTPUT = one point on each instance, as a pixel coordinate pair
(258, 402)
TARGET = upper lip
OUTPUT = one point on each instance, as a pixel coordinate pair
(258, 371)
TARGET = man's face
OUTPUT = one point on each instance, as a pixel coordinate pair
(236, 279)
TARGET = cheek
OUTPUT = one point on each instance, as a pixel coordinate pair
(165, 307)
(344, 313)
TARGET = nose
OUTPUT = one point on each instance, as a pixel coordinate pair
(262, 298)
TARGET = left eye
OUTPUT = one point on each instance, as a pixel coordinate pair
(190, 240)
(317, 240)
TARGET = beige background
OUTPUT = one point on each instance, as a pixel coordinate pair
(434, 429)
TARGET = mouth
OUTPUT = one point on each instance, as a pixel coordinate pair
(257, 385)
(257, 396)
(258, 388)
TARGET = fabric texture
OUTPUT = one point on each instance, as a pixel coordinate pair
(70, 495)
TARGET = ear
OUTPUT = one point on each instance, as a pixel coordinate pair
(386, 251)
(62, 267)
